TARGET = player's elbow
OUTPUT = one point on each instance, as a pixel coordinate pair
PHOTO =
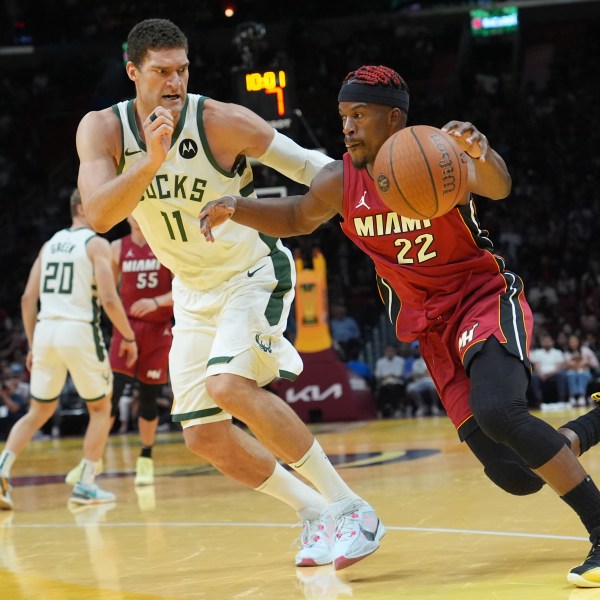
(504, 187)
(98, 222)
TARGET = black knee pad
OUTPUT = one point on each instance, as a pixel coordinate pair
(148, 410)
(513, 477)
(502, 465)
(120, 382)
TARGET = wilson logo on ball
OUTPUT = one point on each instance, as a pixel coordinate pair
(445, 164)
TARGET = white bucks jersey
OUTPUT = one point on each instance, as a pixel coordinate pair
(67, 284)
(188, 179)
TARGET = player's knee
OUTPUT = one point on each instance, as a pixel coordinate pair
(148, 393)
(209, 440)
(227, 390)
(492, 413)
(513, 477)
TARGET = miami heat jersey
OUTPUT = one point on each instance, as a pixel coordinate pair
(185, 182)
(67, 285)
(142, 276)
(425, 267)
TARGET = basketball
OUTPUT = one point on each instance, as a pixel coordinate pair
(420, 172)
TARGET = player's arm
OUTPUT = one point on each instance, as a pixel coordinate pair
(254, 137)
(281, 217)
(115, 263)
(29, 302)
(99, 252)
(488, 174)
(106, 198)
(144, 306)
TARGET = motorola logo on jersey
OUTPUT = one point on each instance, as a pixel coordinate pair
(188, 148)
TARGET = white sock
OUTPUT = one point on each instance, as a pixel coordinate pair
(284, 486)
(7, 458)
(315, 467)
(88, 471)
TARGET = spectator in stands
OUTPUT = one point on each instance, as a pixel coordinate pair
(344, 330)
(548, 380)
(389, 382)
(361, 368)
(581, 363)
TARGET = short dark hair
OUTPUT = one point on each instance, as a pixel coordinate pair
(153, 34)
(74, 202)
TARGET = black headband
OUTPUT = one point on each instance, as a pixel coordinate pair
(373, 94)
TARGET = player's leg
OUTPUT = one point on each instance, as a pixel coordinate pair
(147, 426)
(248, 352)
(498, 400)
(233, 351)
(87, 361)
(154, 341)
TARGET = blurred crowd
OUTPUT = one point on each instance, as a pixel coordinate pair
(533, 95)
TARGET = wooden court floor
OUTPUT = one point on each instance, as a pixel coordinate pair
(451, 533)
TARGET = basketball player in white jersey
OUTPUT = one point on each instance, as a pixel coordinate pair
(72, 279)
(164, 155)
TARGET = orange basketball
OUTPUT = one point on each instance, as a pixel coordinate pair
(420, 172)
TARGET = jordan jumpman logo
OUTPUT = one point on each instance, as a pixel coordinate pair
(362, 201)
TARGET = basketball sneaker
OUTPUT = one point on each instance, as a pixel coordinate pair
(144, 471)
(315, 541)
(74, 475)
(84, 493)
(6, 502)
(587, 574)
(358, 534)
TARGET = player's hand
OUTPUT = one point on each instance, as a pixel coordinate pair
(130, 351)
(215, 213)
(469, 138)
(158, 130)
(142, 307)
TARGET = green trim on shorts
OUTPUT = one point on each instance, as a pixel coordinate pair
(283, 273)
(218, 360)
(45, 401)
(288, 375)
(96, 331)
(196, 414)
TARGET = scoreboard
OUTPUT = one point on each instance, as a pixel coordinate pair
(269, 93)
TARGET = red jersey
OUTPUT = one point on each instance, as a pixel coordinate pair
(431, 265)
(142, 276)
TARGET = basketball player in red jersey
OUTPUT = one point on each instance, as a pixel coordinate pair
(145, 288)
(443, 285)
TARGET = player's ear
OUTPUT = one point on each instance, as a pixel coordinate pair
(131, 71)
(397, 118)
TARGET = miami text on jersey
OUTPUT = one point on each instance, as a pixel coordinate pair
(386, 224)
